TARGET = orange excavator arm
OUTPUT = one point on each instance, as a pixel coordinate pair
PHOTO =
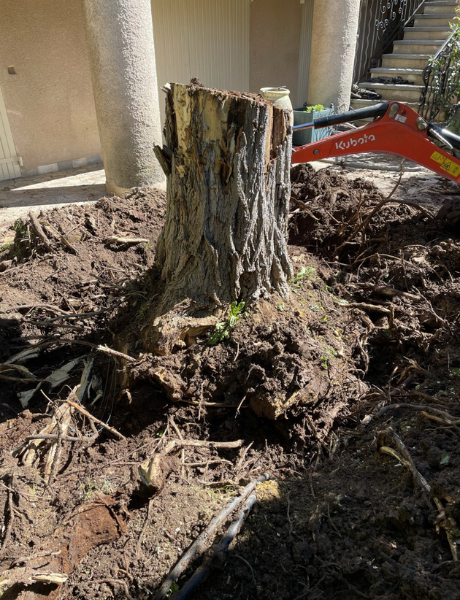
(397, 129)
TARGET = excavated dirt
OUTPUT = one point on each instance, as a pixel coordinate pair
(316, 389)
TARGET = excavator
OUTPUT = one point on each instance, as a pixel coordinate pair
(396, 129)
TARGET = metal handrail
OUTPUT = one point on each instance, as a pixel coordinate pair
(381, 23)
(437, 92)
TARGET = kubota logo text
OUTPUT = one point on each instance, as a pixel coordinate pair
(362, 140)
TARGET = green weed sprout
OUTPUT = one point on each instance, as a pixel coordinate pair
(223, 329)
(304, 272)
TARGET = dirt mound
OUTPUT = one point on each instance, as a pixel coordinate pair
(347, 393)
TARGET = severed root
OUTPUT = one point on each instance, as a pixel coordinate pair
(217, 552)
(39, 231)
(10, 508)
(59, 424)
(56, 430)
(447, 523)
(199, 545)
(391, 435)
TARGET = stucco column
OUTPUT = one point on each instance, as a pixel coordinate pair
(335, 27)
(122, 59)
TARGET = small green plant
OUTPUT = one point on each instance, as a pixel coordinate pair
(327, 355)
(4, 247)
(223, 329)
(456, 371)
(316, 107)
(280, 307)
(305, 272)
(20, 228)
(106, 486)
(86, 490)
(172, 589)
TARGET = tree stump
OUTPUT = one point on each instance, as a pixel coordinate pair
(227, 160)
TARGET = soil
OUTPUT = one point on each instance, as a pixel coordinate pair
(317, 389)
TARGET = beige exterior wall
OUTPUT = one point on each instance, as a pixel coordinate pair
(208, 39)
(275, 45)
(229, 44)
(49, 101)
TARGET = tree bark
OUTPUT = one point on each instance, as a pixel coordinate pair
(227, 161)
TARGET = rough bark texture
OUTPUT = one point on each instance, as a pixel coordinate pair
(227, 196)
(227, 161)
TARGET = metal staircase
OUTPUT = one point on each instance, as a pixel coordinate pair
(430, 29)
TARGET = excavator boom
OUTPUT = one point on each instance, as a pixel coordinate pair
(397, 129)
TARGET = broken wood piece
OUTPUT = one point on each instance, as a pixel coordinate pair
(199, 545)
(114, 239)
(391, 452)
(67, 244)
(25, 576)
(447, 418)
(449, 526)
(154, 471)
(203, 444)
(164, 156)
(29, 451)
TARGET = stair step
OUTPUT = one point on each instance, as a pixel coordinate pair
(426, 33)
(433, 8)
(409, 61)
(434, 20)
(417, 46)
(404, 93)
(414, 75)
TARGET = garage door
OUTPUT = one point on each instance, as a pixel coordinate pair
(208, 39)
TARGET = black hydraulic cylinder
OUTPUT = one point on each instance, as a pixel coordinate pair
(452, 138)
(376, 110)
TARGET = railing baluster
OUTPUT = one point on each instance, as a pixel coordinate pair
(381, 22)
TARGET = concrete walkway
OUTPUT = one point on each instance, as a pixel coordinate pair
(44, 192)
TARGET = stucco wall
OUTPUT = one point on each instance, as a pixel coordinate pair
(274, 45)
(49, 101)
